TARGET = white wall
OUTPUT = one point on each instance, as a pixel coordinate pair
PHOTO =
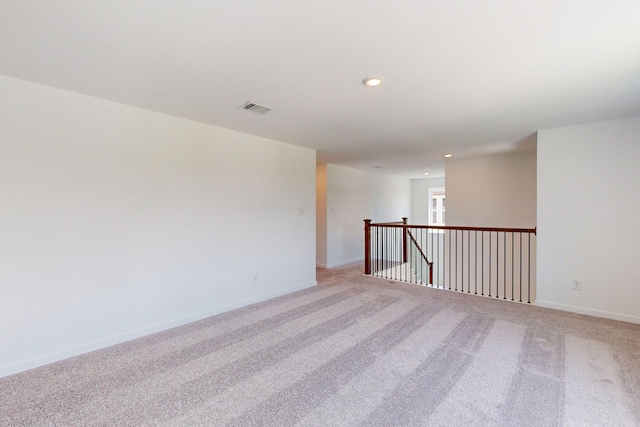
(392, 197)
(492, 191)
(420, 199)
(351, 196)
(321, 215)
(117, 222)
(588, 218)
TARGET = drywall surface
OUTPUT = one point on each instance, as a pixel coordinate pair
(492, 191)
(321, 215)
(118, 222)
(392, 197)
(420, 198)
(353, 195)
(588, 210)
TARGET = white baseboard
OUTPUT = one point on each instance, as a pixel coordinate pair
(343, 263)
(138, 333)
(588, 311)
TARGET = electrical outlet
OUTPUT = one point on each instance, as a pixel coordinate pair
(576, 285)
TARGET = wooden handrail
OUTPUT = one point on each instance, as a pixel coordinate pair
(448, 227)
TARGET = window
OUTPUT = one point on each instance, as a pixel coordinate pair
(436, 206)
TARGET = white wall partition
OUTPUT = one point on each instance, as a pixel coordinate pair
(588, 210)
(117, 222)
(350, 199)
(492, 191)
(351, 196)
(420, 198)
(321, 215)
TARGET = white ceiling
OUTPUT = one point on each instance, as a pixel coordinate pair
(465, 77)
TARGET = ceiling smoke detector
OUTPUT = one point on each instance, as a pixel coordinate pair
(255, 108)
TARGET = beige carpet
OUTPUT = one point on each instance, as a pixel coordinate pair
(352, 351)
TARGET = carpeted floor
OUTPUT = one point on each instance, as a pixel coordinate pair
(352, 351)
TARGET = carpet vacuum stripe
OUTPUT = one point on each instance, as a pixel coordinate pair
(366, 391)
(245, 396)
(221, 370)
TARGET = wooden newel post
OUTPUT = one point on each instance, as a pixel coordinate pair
(367, 246)
(405, 256)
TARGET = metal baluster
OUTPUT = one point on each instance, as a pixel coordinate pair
(490, 252)
(520, 267)
(504, 265)
(462, 262)
(512, 265)
(497, 264)
(385, 251)
(482, 281)
(529, 267)
(469, 261)
(475, 263)
(449, 259)
(430, 237)
(456, 268)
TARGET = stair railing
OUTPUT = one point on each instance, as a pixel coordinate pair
(486, 261)
(386, 245)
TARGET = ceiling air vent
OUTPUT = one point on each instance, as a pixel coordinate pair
(255, 108)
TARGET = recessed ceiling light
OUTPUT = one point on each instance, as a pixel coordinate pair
(426, 173)
(372, 81)
(448, 155)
